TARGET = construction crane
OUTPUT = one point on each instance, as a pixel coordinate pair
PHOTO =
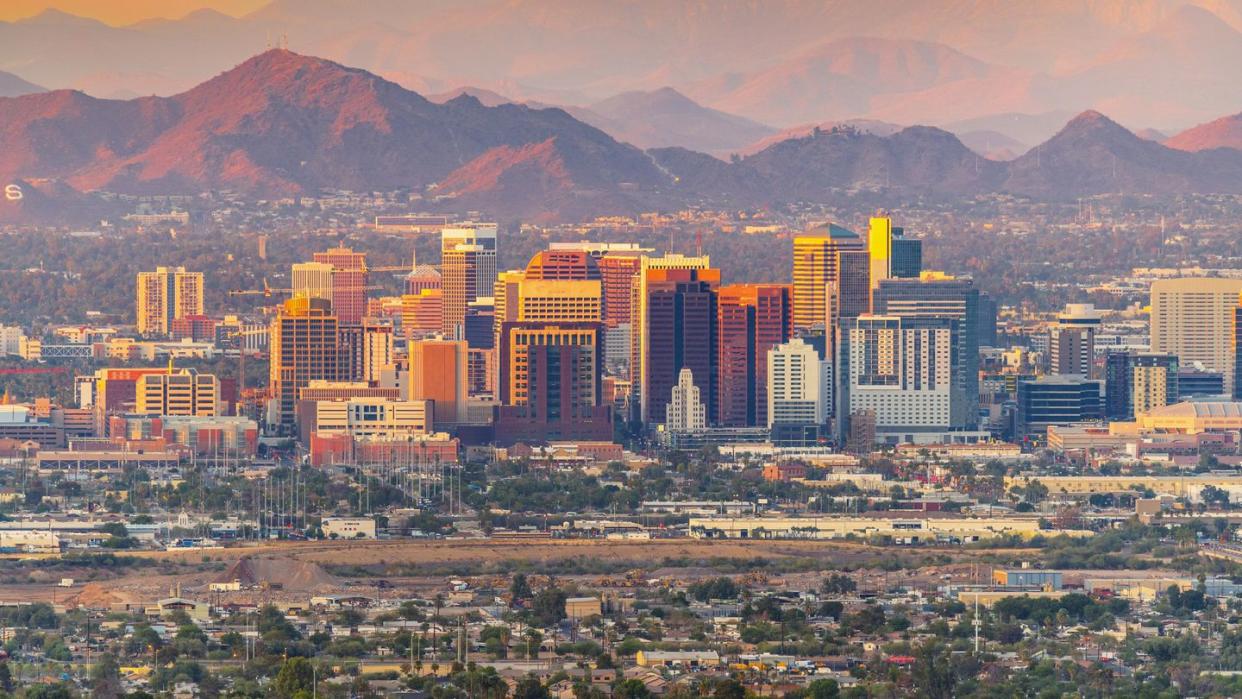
(268, 291)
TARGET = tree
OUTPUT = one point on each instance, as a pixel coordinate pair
(729, 689)
(631, 689)
(823, 689)
(530, 687)
(548, 606)
(106, 678)
(838, 584)
(519, 589)
(933, 672)
(6, 677)
(296, 675)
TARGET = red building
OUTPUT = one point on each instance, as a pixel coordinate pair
(195, 328)
(349, 282)
(752, 318)
(617, 273)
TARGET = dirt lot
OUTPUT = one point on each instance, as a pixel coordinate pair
(296, 570)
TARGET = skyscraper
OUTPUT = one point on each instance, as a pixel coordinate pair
(439, 372)
(815, 270)
(880, 248)
(933, 297)
(167, 294)
(349, 283)
(676, 319)
(304, 348)
(422, 314)
(655, 268)
(366, 350)
(183, 392)
(751, 319)
(1237, 350)
(1071, 341)
(312, 280)
(1193, 319)
(550, 383)
(468, 270)
(799, 385)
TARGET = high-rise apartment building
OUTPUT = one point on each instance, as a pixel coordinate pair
(550, 383)
(366, 350)
(1153, 382)
(1237, 351)
(349, 283)
(675, 318)
(816, 268)
(183, 392)
(165, 295)
(439, 372)
(304, 347)
(933, 297)
(1071, 341)
(799, 385)
(467, 270)
(901, 370)
(1193, 319)
(751, 319)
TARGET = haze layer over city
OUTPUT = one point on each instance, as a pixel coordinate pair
(642, 348)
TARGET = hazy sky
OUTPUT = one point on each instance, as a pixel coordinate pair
(120, 12)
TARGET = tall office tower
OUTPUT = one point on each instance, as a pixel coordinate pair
(539, 300)
(312, 280)
(618, 275)
(304, 348)
(880, 248)
(1193, 319)
(799, 385)
(439, 372)
(685, 411)
(987, 320)
(815, 269)
(1118, 396)
(550, 383)
(422, 277)
(183, 392)
(479, 334)
(1071, 341)
(618, 272)
(366, 350)
(479, 323)
(468, 270)
(906, 256)
(697, 267)
(675, 318)
(1237, 350)
(935, 296)
(850, 296)
(165, 295)
(422, 314)
(505, 298)
(1153, 382)
(751, 319)
(349, 282)
(902, 370)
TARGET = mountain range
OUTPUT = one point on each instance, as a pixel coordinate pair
(13, 86)
(1148, 63)
(282, 123)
